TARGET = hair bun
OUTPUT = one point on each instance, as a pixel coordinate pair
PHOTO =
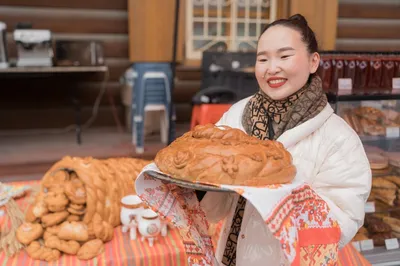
(299, 18)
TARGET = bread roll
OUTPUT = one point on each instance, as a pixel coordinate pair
(394, 224)
(380, 182)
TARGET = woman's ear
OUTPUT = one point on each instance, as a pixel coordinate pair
(314, 62)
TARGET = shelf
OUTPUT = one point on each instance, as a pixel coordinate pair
(383, 208)
(43, 72)
(347, 97)
(377, 138)
(380, 256)
(389, 144)
(53, 69)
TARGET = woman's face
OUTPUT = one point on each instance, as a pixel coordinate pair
(283, 62)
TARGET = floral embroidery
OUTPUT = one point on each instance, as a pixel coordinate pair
(298, 216)
(303, 211)
(180, 207)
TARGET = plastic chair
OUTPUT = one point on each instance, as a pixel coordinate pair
(152, 94)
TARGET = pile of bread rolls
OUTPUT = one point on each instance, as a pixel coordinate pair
(78, 207)
(371, 121)
(378, 227)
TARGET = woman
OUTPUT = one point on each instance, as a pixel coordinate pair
(292, 108)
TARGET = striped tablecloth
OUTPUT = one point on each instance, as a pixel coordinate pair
(122, 251)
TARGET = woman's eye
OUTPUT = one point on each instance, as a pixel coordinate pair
(285, 56)
(262, 60)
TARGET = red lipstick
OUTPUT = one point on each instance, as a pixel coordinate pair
(276, 82)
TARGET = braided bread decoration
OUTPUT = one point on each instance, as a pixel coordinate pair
(69, 247)
(38, 252)
(79, 200)
(99, 183)
(102, 230)
(90, 249)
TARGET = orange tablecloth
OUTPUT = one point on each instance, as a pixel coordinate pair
(122, 251)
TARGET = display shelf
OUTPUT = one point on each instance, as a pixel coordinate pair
(380, 256)
(383, 208)
(349, 97)
(53, 69)
(377, 138)
(385, 143)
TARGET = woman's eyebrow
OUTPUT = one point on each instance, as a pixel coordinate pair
(262, 53)
(283, 49)
(280, 50)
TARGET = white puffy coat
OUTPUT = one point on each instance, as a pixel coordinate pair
(330, 157)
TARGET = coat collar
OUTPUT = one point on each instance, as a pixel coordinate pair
(292, 136)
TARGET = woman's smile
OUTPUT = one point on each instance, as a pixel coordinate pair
(276, 82)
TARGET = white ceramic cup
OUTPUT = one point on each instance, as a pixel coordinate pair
(149, 225)
(131, 208)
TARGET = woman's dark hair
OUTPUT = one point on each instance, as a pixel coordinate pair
(298, 23)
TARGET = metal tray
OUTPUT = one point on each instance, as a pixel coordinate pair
(184, 183)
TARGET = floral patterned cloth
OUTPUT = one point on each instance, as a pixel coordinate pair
(295, 214)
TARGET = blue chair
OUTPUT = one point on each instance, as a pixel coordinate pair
(152, 92)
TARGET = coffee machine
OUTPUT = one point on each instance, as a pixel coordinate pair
(34, 47)
(3, 46)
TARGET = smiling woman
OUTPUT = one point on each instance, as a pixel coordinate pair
(292, 108)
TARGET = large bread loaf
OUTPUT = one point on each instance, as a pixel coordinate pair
(223, 155)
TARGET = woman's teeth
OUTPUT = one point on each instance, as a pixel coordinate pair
(276, 81)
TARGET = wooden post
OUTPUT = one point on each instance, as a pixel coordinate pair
(151, 26)
(283, 9)
(322, 18)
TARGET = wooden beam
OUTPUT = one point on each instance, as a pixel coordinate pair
(352, 44)
(117, 67)
(113, 45)
(348, 9)
(64, 20)
(79, 4)
(322, 18)
(368, 28)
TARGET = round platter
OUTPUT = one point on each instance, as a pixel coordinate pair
(183, 183)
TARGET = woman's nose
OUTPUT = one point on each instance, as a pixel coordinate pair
(273, 68)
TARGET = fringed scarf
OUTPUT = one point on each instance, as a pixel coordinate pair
(265, 118)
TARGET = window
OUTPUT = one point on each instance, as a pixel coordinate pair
(232, 25)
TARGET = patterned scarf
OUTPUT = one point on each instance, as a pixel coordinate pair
(265, 118)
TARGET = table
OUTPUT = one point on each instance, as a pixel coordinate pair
(28, 72)
(52, 69)
(121, 250)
